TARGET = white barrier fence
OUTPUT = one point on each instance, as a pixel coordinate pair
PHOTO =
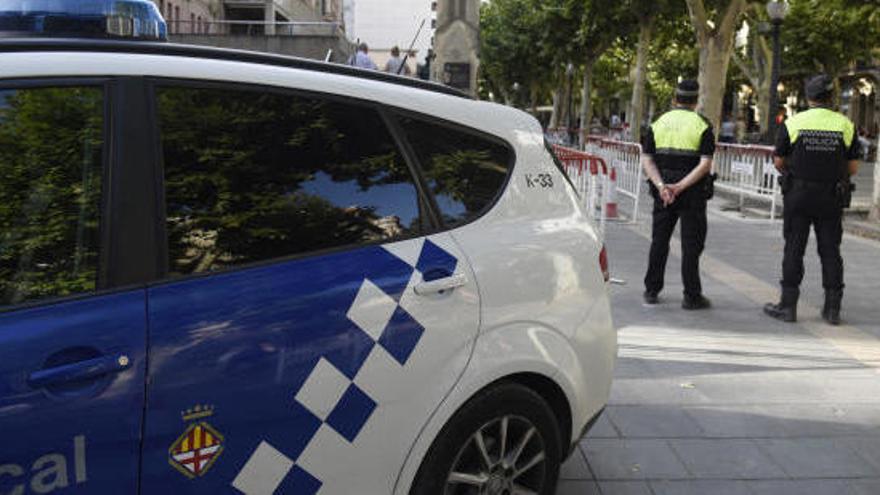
(589, 174)
(748, 172)
(625, 160)
(744, 171)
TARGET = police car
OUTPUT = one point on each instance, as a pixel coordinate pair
(230, 272)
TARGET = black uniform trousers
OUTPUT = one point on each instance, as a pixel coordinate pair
(812, 205)
(690, 207)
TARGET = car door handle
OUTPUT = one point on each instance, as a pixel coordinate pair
(80, 371)
(440, 285)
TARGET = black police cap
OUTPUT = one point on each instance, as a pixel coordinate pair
(820, 87)
(688, 89)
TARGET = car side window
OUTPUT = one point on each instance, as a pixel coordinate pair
(465, 172)
(257, 175)
(51, 162)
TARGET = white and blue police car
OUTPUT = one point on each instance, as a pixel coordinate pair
(231, 272)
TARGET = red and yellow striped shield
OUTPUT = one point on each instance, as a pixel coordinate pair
(195, 451)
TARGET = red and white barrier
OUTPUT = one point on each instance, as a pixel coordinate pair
(589, 174)
(625, 162)
(611, 195)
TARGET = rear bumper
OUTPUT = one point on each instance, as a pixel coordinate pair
(584, 431)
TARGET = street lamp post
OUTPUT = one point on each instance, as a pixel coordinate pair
(777, 10)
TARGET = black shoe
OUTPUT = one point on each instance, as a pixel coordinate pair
(831, 309)
(782, 313)
(694, 303)
(651, 298)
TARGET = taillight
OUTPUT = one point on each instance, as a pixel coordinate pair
(603, 263)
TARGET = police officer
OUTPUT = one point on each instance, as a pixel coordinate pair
(677, 158)
(817, 152)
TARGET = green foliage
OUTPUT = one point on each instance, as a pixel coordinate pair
(672, 55)
(511, 46)
(829, 35)
(51, 143)
(250, 175)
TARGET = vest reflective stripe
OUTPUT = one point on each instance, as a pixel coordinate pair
(679, 131)
(821, 119)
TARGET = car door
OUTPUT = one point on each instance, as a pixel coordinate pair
(71, 351)
(313, 317)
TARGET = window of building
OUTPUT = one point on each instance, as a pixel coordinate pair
(254, 175)
(465, 172)
(51, 159)
(192, 23)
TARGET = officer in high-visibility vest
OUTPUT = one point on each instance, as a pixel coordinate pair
(677, 155)
(816, 152)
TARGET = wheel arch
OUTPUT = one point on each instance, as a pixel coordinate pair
(552, 393)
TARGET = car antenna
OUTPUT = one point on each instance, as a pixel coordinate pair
(411, 45)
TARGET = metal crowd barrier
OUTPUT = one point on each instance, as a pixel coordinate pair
(747, 171)
(625, 159)
(589, 174)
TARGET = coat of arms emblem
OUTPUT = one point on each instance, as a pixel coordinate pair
(196, 450)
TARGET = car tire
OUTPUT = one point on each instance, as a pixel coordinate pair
(504, 441)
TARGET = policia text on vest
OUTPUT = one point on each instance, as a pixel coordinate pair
(677, 158)
(817, 153)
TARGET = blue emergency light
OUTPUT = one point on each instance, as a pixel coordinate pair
(119, 19)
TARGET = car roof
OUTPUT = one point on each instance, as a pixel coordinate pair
(203, 52)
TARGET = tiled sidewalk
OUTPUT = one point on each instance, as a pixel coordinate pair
(727, 401)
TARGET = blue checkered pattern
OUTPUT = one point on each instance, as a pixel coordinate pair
(399, 338)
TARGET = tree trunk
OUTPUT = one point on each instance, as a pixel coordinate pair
(586, 102)
(714, 60)
(533, 100)
(764, 104)
(556, 116)
(646, 28)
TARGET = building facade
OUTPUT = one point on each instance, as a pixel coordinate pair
(304, 28)
(223, 16)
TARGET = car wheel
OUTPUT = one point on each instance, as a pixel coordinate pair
(505, 441)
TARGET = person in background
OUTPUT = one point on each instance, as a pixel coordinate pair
(865, 142)
(395, 64)
(424, 70)
(362, 58)
(728, 131)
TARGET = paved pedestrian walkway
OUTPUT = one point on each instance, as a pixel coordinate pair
(728, 401)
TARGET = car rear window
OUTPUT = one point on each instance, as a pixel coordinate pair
(465, 172)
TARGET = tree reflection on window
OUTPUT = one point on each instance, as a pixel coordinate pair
(253, 176)
(51, 142)
(464, 172)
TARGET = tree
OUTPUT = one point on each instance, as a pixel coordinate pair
(829, 35)
(582, 31)
(755, 62)
(673, 55)
(512, 51)
(602, 22)
(646, 13)
(715, 40)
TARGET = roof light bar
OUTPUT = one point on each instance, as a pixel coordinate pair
(119, 19)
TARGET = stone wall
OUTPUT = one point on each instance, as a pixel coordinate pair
(457, 44)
